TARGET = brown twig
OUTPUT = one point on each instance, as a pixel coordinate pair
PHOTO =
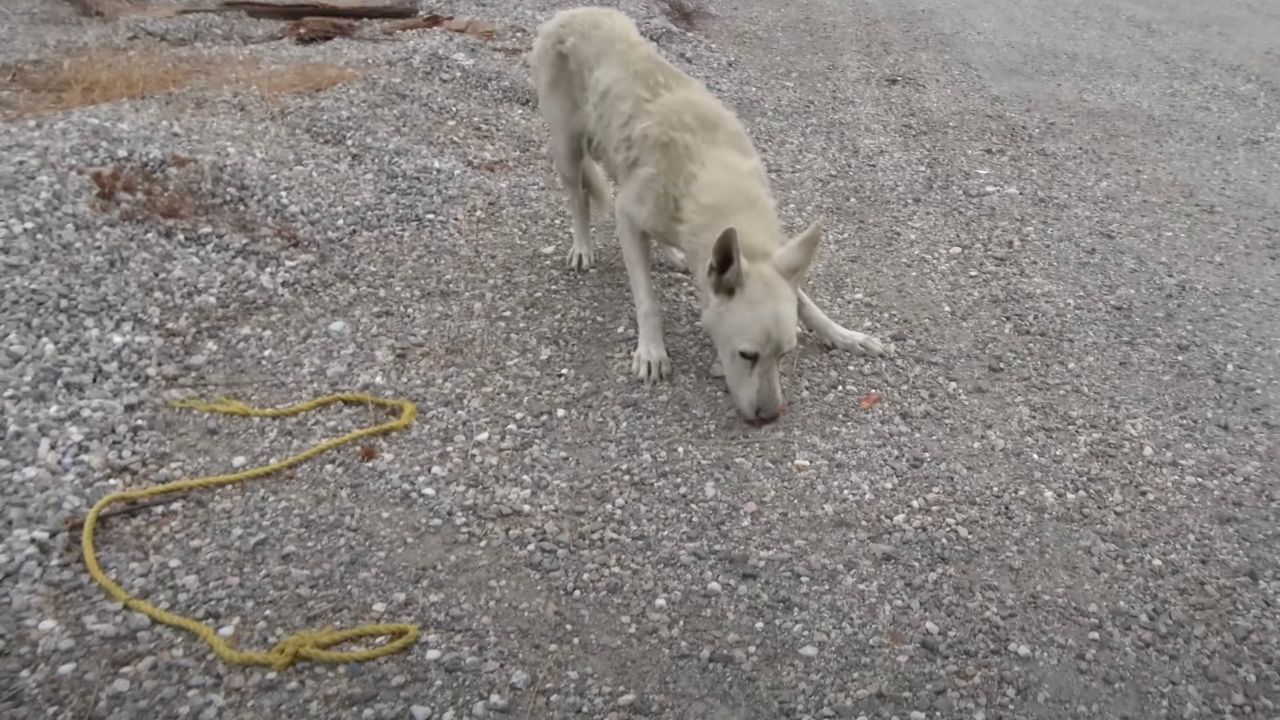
(75, 522)
(536, 683)
(14, 692)
(97, 687)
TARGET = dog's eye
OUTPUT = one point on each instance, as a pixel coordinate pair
(750, 357)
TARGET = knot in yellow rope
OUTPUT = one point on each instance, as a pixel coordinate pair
(313, 645)
(288, 651)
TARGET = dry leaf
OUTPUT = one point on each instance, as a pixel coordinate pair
(474, 28)
(367, 453)
(319, 29)
(422, 22)
(684, 14)
(180, 161)
(511, 50)
(868, 401)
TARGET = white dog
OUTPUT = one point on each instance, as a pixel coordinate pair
(687, 176)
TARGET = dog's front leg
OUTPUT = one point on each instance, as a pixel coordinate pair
(650, 362)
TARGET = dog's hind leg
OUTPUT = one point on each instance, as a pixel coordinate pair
(567, 150)
(835, 334)
(561, 108)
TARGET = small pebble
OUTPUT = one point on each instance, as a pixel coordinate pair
(520, 680)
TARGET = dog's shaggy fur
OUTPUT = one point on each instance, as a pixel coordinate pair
(687, 176)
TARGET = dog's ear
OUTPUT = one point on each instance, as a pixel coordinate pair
(794, 258)
(725, 267)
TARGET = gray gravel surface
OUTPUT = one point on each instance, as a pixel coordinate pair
(1063, 212)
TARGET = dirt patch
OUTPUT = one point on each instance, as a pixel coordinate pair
(95, 77)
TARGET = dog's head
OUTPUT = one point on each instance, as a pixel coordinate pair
(752, 314)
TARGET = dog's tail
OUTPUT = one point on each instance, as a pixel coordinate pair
(595, 182)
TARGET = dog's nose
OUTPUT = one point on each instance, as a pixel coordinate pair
(764, 417)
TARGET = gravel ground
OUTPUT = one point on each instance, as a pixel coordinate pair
(1063, 212)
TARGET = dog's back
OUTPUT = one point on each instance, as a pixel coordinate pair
(601, 81)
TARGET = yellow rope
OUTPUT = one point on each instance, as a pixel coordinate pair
(307, 645)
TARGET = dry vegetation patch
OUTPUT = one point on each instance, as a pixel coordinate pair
(176, 191)
(107, 75)
(137, 192)
(96, 77)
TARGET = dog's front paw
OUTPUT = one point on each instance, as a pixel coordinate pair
(856, 342)
(650, 362)
(581, 257)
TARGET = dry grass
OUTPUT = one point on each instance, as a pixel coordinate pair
(105, 76)
(97, 77)
(290, 79)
